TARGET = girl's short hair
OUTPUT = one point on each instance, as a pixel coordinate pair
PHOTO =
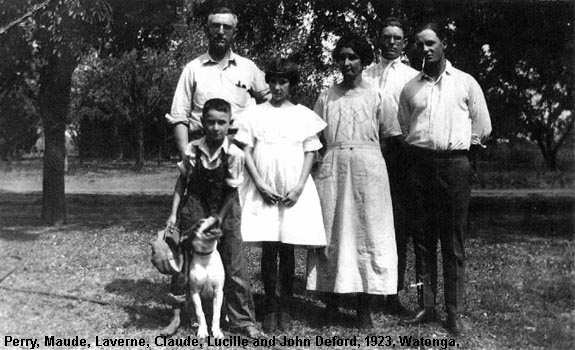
(358, 44)
(283, 68)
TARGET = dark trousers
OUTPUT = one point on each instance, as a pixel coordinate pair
(396, 169)
(238, 300)
(278, 262)
(440, 187)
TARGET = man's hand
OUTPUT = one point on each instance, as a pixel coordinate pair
(292, 196)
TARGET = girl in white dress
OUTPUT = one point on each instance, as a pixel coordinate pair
(280, 204)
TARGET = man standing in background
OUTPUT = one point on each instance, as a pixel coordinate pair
(219, 73)
(390, 75)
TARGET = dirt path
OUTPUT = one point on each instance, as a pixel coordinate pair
(159, 180)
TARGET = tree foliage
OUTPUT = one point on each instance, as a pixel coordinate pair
(132, 92)
(520, 51)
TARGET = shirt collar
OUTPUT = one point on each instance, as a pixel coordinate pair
(206, 58)
(447, 71)
(203, 147)
(384, 63)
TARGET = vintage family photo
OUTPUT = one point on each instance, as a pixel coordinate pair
(287, 174)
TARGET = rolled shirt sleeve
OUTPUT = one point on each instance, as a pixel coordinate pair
(259, 88)
(478, 112)
(183, 101)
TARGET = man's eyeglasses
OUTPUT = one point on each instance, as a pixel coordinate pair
(216, 27)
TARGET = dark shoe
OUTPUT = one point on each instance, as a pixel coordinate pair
(284, 321)
(456, 325)
(363, 311)
(172, 328)
(364, 320)
(393, 306)
(270, 323)
(251, 332)
(425, 315)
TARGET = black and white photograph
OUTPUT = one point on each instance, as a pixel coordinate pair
(287, 174)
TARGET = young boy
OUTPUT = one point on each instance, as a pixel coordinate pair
(207, 186)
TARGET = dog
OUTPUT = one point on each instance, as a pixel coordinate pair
(206, 273)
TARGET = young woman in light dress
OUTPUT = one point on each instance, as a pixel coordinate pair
(280, 204)
(352, 182)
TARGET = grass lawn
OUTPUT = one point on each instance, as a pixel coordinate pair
(92, 277)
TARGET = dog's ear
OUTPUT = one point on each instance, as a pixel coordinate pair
(215, 232)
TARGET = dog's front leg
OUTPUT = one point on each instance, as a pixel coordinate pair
(217, 308)
(203, 326)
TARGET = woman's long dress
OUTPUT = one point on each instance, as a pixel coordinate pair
(353, 187)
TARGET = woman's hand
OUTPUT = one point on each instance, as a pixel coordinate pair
(292, 196)
(269, 196)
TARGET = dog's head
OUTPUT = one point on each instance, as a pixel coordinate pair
(206, 242)
(204, 237)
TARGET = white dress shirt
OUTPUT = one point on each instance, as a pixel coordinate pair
(446, 114)
(390, 76)
(203, 79)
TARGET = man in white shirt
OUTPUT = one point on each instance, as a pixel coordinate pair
(219, 73)
(443, 113)
(390, 75)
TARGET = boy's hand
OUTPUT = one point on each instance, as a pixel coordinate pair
(292, 196)
(171, 220)
(269, 196)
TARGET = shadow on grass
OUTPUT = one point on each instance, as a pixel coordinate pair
(307, 312)
(20, 214)
(144, 313)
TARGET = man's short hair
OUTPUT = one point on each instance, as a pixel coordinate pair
(393, 22)
(434, 26)
(283, 68)
(223, 10)
(358, 44)
(216, 104)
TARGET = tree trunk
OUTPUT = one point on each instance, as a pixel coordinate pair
(139, 143)
(117, 144)
(54, 99)
(550, 158)
(549, 155)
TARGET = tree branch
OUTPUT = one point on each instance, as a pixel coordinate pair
(22, 18)
(563, 137)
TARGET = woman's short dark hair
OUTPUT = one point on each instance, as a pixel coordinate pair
(358, 44)
(434, 26)
(283, 68)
